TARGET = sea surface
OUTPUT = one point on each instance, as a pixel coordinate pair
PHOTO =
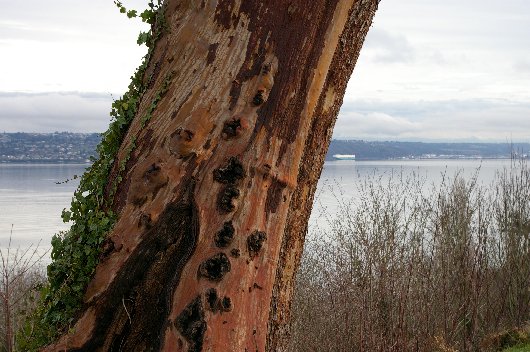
(343, 180)
(31, 200)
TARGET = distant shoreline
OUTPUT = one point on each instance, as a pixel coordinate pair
(416, 159)
(78, 148)
(59, 162)
(43, 162)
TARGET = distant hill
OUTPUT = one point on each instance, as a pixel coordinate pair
(63, 147)
(366, 150)
(66, 147)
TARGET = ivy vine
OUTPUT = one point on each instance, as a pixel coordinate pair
(76, 252)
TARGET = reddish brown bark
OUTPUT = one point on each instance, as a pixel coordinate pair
(218, 190)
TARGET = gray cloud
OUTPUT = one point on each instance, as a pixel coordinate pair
(372, 125)
(23, 31)
(57, 111)
(522, 66)
(451, 120)
(388, 48)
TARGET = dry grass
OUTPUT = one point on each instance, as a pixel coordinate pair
(401, 269)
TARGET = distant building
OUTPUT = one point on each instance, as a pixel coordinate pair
(344, 156)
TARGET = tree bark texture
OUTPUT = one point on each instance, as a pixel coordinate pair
(219, 182)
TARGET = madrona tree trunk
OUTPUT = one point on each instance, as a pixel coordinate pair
(218, 184)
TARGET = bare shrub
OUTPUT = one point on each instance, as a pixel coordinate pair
(20, 276)
(405, 269)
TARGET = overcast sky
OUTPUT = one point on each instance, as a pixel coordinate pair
(430, 70)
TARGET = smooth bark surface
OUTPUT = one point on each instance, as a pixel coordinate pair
(217, 191)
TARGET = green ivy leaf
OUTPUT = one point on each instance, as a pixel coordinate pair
(143, 38)
(147, 16)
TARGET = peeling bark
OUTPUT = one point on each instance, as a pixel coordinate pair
(215, 198)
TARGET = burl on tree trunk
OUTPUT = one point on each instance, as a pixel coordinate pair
(218, 188)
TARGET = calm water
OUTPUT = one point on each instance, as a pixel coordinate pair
(343, 178)
(32, 202)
